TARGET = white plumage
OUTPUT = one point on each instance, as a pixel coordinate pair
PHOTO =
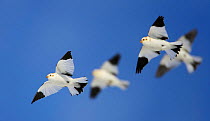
(61, 78)
(107, 76)
(154, 43)
(190, 61)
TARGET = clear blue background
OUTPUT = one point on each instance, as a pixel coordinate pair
(35, 34)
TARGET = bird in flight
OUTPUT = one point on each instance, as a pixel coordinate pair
(190, 61)
(107, 76)
(61, 78)
(154, 43)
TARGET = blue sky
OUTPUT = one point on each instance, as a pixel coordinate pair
(35, 34)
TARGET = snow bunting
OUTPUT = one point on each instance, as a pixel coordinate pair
(154, 43)
(107, 76)
(61, 78)
(190, 61)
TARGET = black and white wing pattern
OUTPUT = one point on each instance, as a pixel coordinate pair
(47, 89)
(166, 65)
(111, 65)
(65, 65)
(188, 39)
(96, 86)
(144, 57)
(158, 30)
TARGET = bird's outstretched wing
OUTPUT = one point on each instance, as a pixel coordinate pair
(48, 88)
(158, 30)
(144, 57)
(96, 86)
(65, 65)
(111, 65)
(165, 65)
(188, 39)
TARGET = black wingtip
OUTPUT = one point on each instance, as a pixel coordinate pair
(161, 71)
(94, 92)
(80, 89)
(159, 22)
(177, 49)
(67, 56)
(115, 60)
(142, 61)
(38, 96)
(191, 35)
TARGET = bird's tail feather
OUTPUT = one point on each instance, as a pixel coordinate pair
(175, 48)
(73, 91)
(78, 86)
(81, 80)
(124, 84)
(191, 67)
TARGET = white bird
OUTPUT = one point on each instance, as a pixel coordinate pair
(154, 43)
(61, 78)
(107, 76)
(190, 61)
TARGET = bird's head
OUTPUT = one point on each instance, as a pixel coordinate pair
(144, 39)
(51, 75)
(95, 72)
